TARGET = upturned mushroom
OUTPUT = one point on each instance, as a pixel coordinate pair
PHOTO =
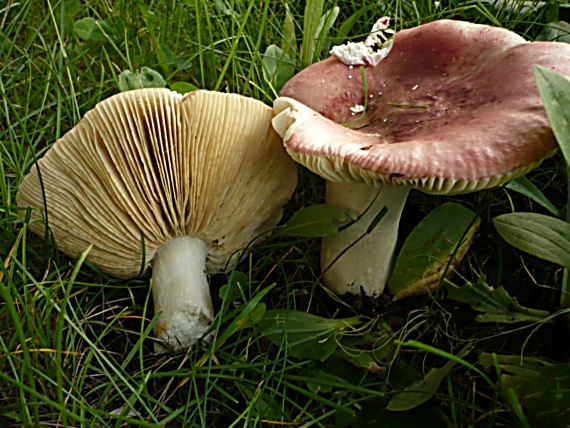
(451, 108)
(194, 178)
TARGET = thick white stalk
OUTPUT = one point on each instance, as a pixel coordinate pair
(369, 262)
(180, 289)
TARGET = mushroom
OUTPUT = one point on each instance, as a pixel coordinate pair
(156, 180)
(451, 109)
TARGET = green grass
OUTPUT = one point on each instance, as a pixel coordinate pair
(76, 345)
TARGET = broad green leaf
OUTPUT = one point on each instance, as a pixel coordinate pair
(542, 236)
(289, 41)
(255, 315)
(316, 221)
(94, 29)
(428, 250)
(552, 12)
(524, 186)
(312, 15)
(546, 397)
(183, 87)
(171, 60)
(541, 387)
(277, 67)
(495, 303)
(160, 55)
(145, 78)
(233, 289)
(86, 27)
(181, 64)
(68, 24)
(167, 52)
(72, 7)
(325, 24)
(148, 13)
(558, 31)
(306, 335)
(417, 393)
(252, 313)
(151, 22)
(515, 370)
(555, 93)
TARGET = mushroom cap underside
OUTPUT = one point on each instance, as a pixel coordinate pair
(452, 108)
(146, 166)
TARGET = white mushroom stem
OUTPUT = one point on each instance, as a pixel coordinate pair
(180, 290)
(368, 263)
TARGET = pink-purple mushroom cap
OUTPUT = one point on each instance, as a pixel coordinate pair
(453, 108)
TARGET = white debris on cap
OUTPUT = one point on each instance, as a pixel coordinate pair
(357, 109)
(363, 53)
(376, 38)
